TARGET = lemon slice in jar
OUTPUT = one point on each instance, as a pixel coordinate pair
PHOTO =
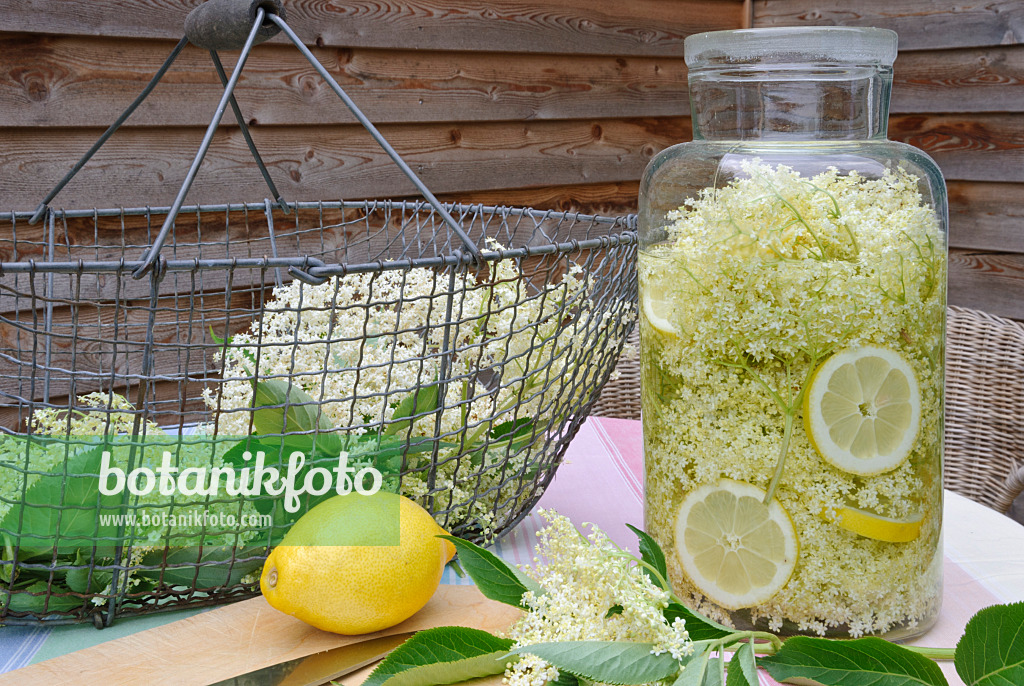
(878, 527)
(657, 307)
(862, 410)
(738, 551)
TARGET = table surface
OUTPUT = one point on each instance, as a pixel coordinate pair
(601, 482)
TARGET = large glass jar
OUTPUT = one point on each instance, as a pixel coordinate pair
(793, 299)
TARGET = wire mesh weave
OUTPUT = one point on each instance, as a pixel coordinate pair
(358, 306)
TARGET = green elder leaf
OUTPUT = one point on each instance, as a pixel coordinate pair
(39, 598)
(698, 626)
(513, 429)
(206, 567)
(743, 668)
(713, 675)
(651, 553)
(858, 662)
(694, 669)
(64, 511)
(496, 579)
(991, 651)
(283, 408)
(564, 679)
(414, 406)
(84, 579)
(445, 655)
(609, 662)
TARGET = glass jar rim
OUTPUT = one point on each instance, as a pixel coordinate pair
(791, 45)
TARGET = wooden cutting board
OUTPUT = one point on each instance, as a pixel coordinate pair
(239, 638)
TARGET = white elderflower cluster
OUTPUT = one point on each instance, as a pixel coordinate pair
(113, 415)
(593, 591)
(768, 276)
(360, 344)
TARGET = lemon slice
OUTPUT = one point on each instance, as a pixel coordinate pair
(871, 525)
(657, 308)
(862, 410)
(738, 551)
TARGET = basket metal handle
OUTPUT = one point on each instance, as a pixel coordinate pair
(232, 18)
(230, 24)
(225, 24)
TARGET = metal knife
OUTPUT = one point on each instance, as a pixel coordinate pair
(319, 668)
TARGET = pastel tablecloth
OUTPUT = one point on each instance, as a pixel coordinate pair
(601, 482)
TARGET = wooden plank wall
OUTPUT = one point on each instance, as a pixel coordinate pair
(959, 95)
(566, 98)
(551, 103)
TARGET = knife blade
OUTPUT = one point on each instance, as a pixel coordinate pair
(319, 668)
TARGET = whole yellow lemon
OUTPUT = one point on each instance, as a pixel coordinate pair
(360, 586)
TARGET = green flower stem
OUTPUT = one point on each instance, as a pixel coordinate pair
(662, 581)
(787, 435)
(769, 645)
(765, 643)
(933, 653)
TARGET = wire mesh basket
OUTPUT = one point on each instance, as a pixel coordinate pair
(454, 349)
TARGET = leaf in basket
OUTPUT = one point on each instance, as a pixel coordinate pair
(235, 455)
(415, 405)
(285, 410)
(496, 579)
(443, 655)
(222, 342)
(225, 344)
(513, 429)
(209, 567)
(64, 511)
(384, 452)
(991, 651)
(86, 580)
(34, 599)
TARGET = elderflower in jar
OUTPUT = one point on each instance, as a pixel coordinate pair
(793, 298)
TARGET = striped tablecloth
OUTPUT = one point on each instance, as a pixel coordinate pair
(601, 482)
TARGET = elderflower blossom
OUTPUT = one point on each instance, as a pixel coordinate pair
(768, 276)
(361, 343)
(584, 577)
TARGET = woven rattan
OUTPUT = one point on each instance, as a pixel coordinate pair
(984, 407)
(984, 445)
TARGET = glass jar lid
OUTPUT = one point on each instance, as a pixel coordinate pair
(789, 45)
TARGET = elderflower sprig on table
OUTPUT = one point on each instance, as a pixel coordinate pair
(606, 610)
(592, 590)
